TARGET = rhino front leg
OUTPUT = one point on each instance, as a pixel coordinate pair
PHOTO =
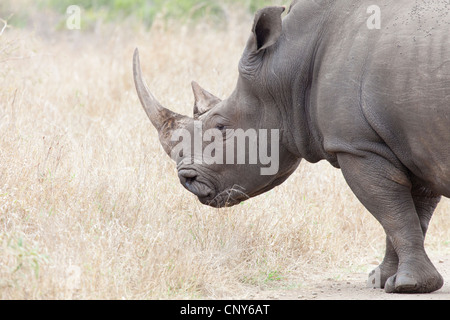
(386, 191)
(387, 268)
(425, 203)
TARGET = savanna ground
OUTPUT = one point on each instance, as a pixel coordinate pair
(91, 207)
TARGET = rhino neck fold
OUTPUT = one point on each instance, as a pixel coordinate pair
(298, 58)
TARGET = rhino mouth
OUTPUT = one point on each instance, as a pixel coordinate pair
(209, 195)
(206, 192)
(236, 195)
(227, 198)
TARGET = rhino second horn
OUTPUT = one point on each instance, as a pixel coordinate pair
(204, 101)
(164, 120)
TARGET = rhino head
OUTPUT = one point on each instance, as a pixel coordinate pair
(232, 149)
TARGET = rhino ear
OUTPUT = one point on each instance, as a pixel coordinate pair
(204, 101)
(267, 27)
(265, 33)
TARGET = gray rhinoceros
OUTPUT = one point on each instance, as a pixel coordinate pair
(373, 100)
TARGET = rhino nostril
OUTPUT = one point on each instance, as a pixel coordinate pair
(187, 178)
(189, 181)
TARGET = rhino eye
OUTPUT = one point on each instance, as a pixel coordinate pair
(220, 127)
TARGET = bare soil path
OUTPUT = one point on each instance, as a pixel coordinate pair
(352, 286)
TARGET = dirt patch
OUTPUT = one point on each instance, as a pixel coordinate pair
(352, 286)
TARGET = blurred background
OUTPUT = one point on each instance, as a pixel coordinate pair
(52, 13)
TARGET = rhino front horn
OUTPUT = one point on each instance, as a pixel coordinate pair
(164, 120)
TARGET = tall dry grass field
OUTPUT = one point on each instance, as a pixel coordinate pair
(91, 207)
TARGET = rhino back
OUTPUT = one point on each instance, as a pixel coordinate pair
(389, 86)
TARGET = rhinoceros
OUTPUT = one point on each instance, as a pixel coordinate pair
(370, 97)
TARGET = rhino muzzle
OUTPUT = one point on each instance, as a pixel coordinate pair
(191, 181)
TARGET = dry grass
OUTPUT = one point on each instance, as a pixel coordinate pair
(90, 206)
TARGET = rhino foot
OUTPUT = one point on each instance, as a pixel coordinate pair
(420, 279)
(379, 276)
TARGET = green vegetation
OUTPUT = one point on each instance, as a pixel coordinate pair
(141, 11)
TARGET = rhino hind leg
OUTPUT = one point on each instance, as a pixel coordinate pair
(384, 188)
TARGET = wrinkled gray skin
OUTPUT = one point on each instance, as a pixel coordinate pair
(374, 103)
